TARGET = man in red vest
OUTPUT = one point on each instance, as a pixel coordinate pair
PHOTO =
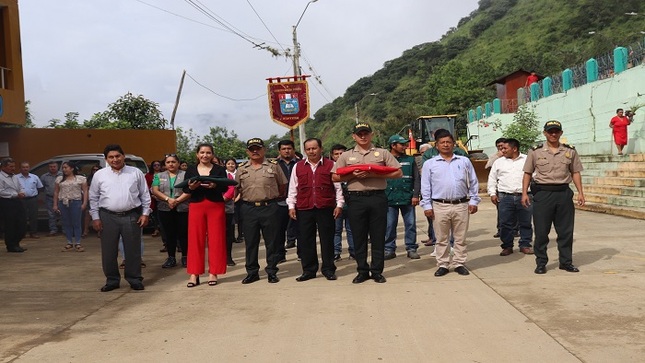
(315, 201)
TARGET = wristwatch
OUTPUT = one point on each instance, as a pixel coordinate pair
(167, 199)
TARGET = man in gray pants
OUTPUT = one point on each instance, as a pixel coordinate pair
(119, 206)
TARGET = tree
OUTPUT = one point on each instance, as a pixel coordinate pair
(186, 143)
(129, 112)
(225, 144)
(29, 118)
(524, 128)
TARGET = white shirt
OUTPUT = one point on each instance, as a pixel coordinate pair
(293, 186)
(119, 191)
(506, 175)
(10, 186)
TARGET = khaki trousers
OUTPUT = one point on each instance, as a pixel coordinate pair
(449, 217)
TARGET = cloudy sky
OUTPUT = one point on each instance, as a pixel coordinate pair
(81, 55)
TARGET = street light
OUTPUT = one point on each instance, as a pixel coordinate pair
(359, 101)
(297, 73)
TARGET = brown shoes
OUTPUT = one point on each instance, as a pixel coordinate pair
(526, 250)
(506, 251)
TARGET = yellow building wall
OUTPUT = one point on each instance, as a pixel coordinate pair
(12, 88)
(36, 145)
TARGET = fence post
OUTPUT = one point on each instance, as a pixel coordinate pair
(497, 106)
(547, 86)
(479, 113)
(535, 91)
(592, 70)
(488, 107)
(567, 79)
(620, 59)
(471, 115)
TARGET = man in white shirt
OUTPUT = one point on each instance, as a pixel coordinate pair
(119, 206)
(505, 190)
(314, 200)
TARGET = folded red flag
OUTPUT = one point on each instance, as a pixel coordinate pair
(378, 169)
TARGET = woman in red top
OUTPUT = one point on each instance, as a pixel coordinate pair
(206, 218)
(619, 125)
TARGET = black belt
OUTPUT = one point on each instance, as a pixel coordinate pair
(514, 194)
(365, 193)
(121, 214)
(452, 201)
(263, 203)
(549, 187)
(30, 197)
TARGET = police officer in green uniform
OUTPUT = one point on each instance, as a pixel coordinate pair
(552, 166)
(261, 184)
(366, 201)
(402, 195)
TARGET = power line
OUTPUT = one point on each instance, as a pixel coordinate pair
(223, 96)
(265, 26)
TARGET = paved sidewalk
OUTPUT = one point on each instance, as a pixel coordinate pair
(51, 309)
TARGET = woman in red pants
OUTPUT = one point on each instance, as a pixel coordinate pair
(206, 219)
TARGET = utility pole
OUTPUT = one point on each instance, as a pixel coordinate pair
(174, 110)
(297, 73)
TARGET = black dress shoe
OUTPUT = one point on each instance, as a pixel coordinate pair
(16, 249)
(184, 261)
(137, 286)
(569, 268)
(273, 278)
(360, 278)
(331, 277)
(305, 277)
(389, 255)
(170, 262)
(540, 269)
(378, 278)
(230, 263)
(251, 278)
(441, 271)
(290, 244)
(462, 270)
(107, 288)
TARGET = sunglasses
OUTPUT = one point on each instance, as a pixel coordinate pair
(170, 155)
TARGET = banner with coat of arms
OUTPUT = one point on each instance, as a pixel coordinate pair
(288, 100)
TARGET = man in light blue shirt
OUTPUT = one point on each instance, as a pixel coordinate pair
(449, 190)
(31, 184)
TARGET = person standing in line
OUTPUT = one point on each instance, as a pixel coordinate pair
(367, 202)
(30, 184)
(229, 200)
(120, 208)
(87, 219)
(402, 195)
(449, 190)
(261, 184)
(432, 239)
(288, 227)
(553, 166)
(315, 201)
(499, 144)
(619, 124)
(505, 190)
(12, 212)
(336, 151)
(172, 206)
(206, 218)
(49, 182)
(70, 200)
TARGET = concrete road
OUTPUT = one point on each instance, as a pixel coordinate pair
(51, 309)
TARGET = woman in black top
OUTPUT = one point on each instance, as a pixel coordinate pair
(206, 219)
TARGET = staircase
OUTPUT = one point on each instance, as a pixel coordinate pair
(614, 184)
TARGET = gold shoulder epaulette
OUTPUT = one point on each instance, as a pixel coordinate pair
(569, 146)
(538, 146)
(274, 161)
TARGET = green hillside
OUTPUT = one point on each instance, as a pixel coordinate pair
(501, 36)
